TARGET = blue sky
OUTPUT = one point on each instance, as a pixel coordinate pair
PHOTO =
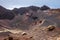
(21, 3)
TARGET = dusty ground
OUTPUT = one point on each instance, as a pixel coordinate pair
(36, 33)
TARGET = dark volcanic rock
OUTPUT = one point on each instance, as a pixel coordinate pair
(6, 14)
(22, 10)
(34, 8)
(15, 11)
(44, 7)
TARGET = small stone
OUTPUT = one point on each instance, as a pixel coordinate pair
(50, 28)
(40, 21)
(24, 33)
(31, 37)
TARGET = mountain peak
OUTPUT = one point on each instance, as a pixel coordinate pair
(1, 7)
(44, 7)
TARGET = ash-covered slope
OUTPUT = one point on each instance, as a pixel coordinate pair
(29, 18)
(24, 17)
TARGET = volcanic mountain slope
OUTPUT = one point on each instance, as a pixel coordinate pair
(5, 13)
(33, 20)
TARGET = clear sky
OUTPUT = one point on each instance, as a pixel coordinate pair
(19, 3)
